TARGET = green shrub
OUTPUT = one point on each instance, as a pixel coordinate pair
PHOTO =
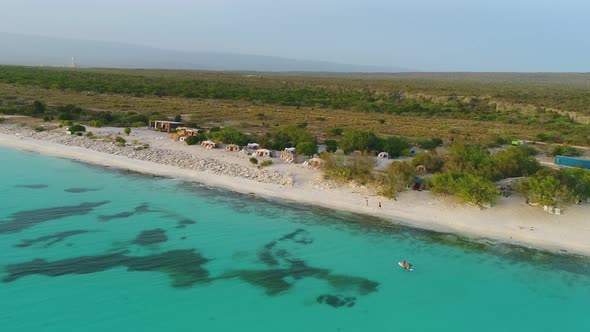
(556, 187)
(331, 145)
(354, 168)
(395, 146)
(528, 150)
(500, 139)
(254, 161)
(40, 129)
(468, 158)
(89, 134)
(397, 176)
(127, 131)
(76, 128)
(306, 148)
(191, 140)
(285, 137)
(229, 135)
(468, 187)
(545, 190)
(565, 150)
(360, 140)
(336, 131)
(65, 116)
(513, 162)
(430, 144)
(431, 161)
(577, 180)
(120, 141)
(551, 137)
(266, 163)
(96, 123)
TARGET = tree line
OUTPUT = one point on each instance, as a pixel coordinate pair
(365, 96)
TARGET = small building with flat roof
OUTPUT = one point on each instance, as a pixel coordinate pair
(164, 125)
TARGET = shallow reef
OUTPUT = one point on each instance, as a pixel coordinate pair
(29, 218)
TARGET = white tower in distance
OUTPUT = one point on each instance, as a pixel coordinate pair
(74, 64)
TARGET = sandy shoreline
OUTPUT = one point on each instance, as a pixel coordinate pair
(509, 221)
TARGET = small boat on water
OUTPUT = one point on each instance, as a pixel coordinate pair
(411, 269)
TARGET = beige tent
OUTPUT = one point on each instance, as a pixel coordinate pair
(315, 162)
(264, 153)
(232, 148)
(208, 144)
(287, 156)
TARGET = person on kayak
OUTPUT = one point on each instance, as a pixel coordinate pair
(404, 263)
(409, 266)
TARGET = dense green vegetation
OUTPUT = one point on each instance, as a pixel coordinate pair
(331, 145)
(430, 160)
(476, 159)
(396, 178)
(192, 140)
(307, 148)
(469, 187)
(38, 109)
(286, 137)
(471, 170)
(557, 187)
(467, 171)
(570, 92)
(453, 96)
(564, 150)
(229, 135)
(354, 168)
(356, 140)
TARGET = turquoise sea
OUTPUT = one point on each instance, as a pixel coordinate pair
(87, 248)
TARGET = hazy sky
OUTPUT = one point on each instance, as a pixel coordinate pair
(428, 35)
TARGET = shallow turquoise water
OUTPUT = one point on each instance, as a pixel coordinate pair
(210, 260)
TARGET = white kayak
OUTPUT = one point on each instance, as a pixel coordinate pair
(405, 268)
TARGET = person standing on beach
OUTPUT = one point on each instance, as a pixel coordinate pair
(366, 201)
(379, 204)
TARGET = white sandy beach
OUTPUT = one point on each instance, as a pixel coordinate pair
(510, 220)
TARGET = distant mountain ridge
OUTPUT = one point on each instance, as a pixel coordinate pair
(50, 51)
